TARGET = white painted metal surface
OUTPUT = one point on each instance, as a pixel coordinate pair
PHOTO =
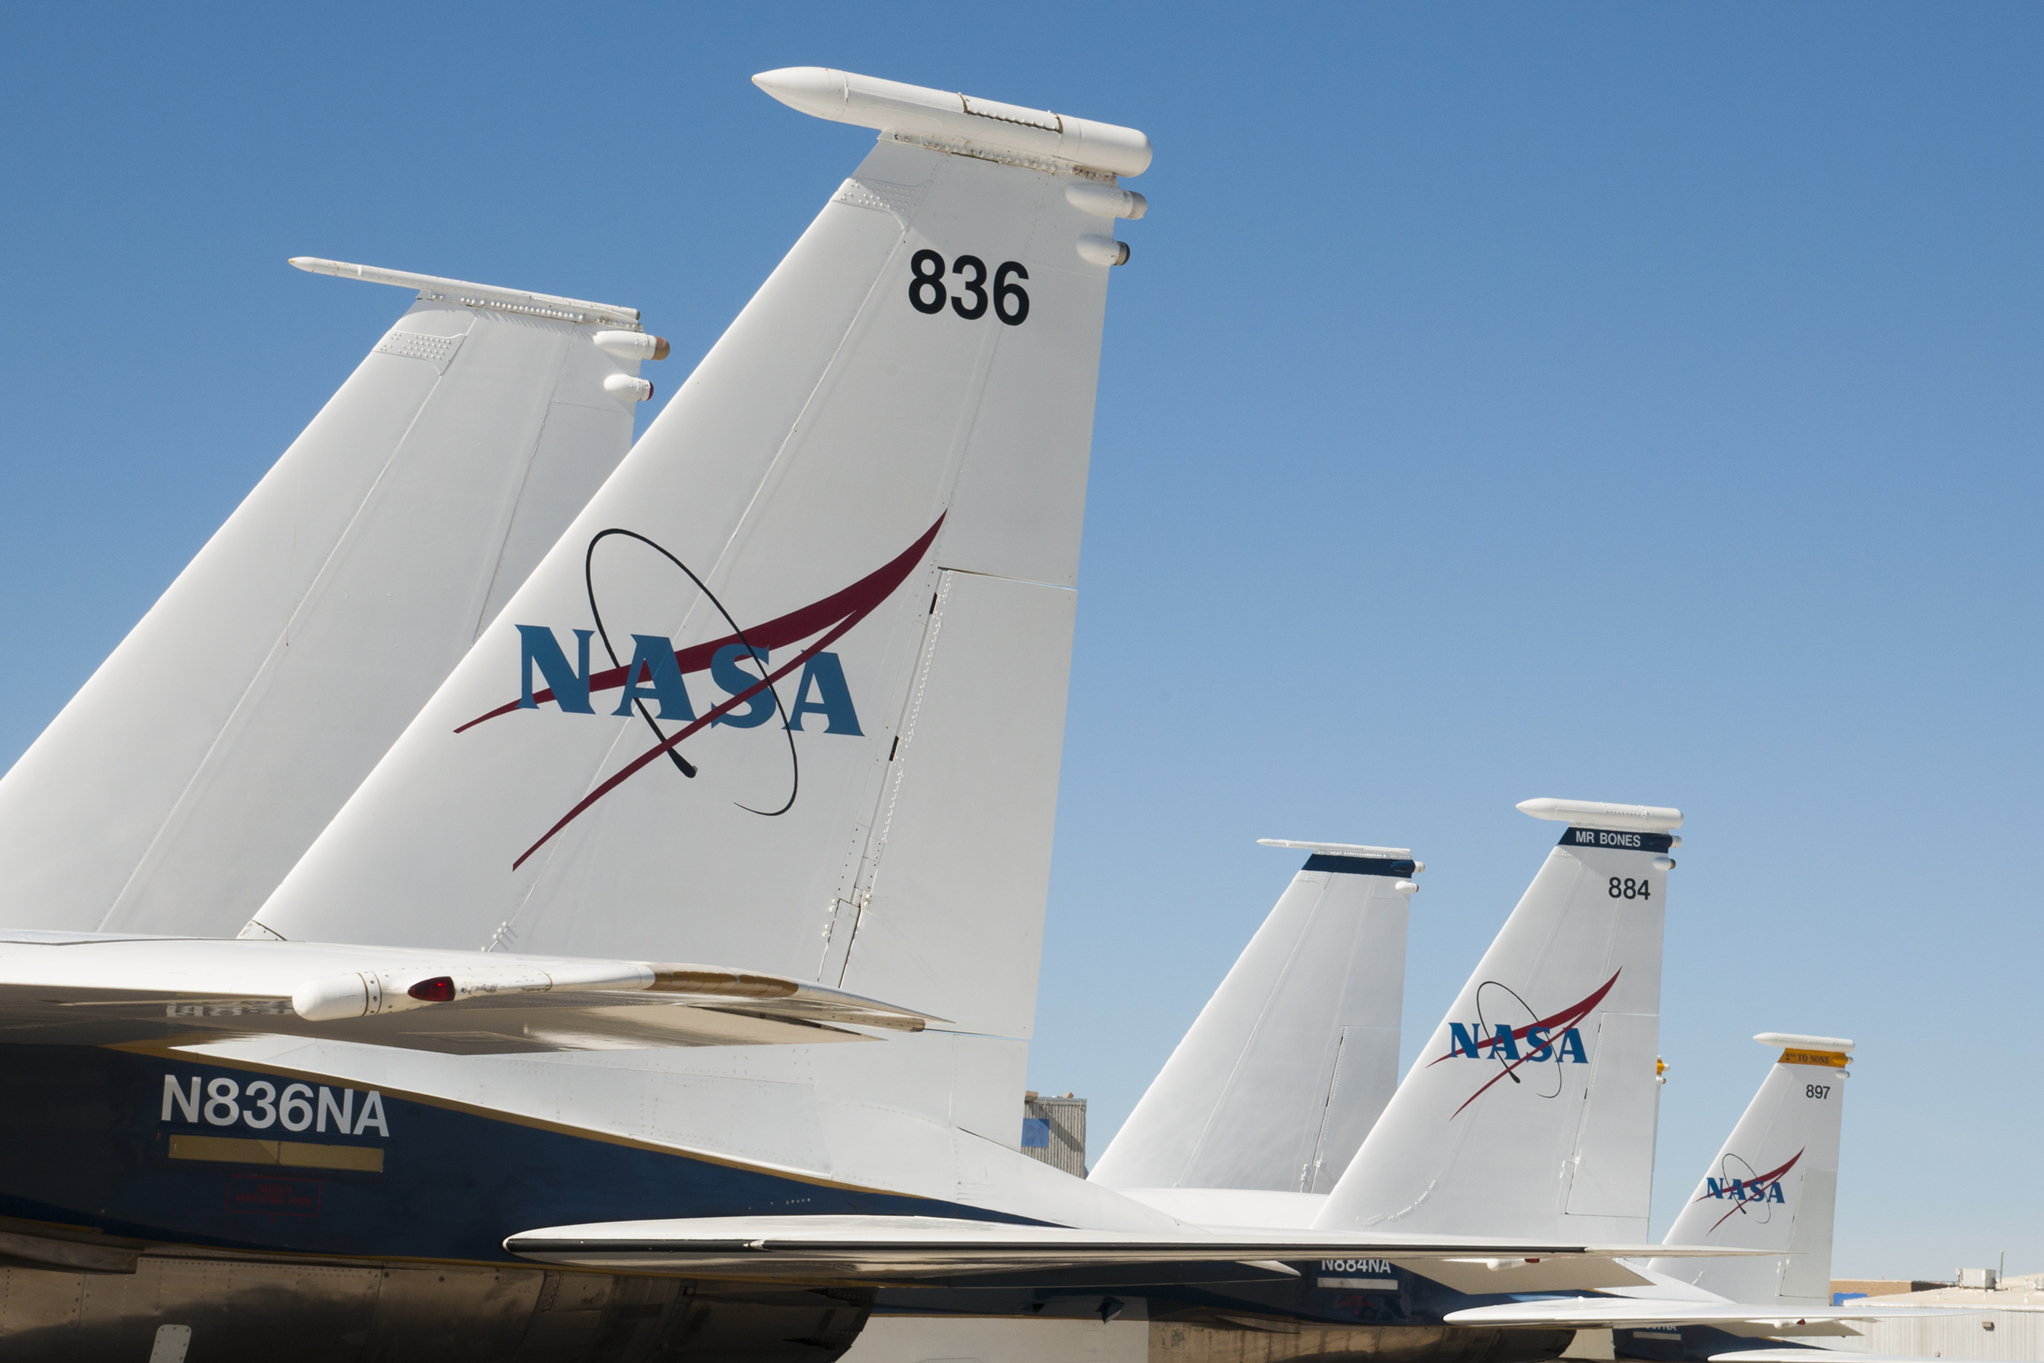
(113, 990)
(848, 473)
(1774, 1184)
(916, 111)
(434, 288)
(1291, 1060)
(1544, 1066)
(202, 758)
(1598, 814)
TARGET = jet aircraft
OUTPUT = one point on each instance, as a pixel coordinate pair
(785, 695)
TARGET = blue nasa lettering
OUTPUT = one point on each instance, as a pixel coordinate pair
(736, 681)
(537, 645)
(654, 675)
(833, 698)
(1503, 1043)
(1741, 1191)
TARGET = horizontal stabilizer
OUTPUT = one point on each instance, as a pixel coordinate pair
(77, 989)
(906, 1248)
(1593, 1313)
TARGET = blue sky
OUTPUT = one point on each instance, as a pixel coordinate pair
(1616, 402)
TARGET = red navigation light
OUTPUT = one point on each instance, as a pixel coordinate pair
(439, 989)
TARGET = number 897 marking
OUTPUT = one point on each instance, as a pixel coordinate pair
(927, 294)
(1631, 889)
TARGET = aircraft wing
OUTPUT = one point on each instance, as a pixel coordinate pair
(92, 989)
(1588, 1313)
(912, 1248)
(1819, 1355)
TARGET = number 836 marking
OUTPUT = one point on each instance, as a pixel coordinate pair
(927, 293)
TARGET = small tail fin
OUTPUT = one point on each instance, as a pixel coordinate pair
(1774, 1185)
(206, 753)
(1545, 1065)
(1296, 1053)
(791, 689)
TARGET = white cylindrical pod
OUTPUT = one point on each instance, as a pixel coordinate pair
(632, 345)
(331, 998)
(1102, 250)
(1106, 201)
(1405, 887)
(625, 388)
(918, 111)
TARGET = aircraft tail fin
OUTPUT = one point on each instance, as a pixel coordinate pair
(791, 688)
(1531, 1109)
(200, 760)
(1296, 1053)
(1774, 1185)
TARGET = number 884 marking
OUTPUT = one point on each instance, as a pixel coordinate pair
(1631, 889)
(927, 293)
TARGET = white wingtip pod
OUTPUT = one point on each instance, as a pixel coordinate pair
(917, 111)
(1597, 814)
(333, 997)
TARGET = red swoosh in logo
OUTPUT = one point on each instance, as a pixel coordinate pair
(1759, 1181)
(836, 614)
(1565, 1019)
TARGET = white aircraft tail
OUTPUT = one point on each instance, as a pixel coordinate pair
(791, 688)
(1296, 1053)
(1774, 1185)
(203, 757)
(1531, 1109)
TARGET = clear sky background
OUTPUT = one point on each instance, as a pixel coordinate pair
(1617, 402)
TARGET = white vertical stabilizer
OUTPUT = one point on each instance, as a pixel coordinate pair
(1530, 1111)
(196, 765)
(1296, 1053)
(790, 690)
(1774, 1185)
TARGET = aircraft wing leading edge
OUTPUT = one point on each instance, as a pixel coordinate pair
(103, 990)
(1590, 1313)
(895, 1248)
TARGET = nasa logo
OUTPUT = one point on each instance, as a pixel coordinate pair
(1555, 1038)
(653, 682)
(1748, 1191)
(655, 675)
(1562, 1050)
